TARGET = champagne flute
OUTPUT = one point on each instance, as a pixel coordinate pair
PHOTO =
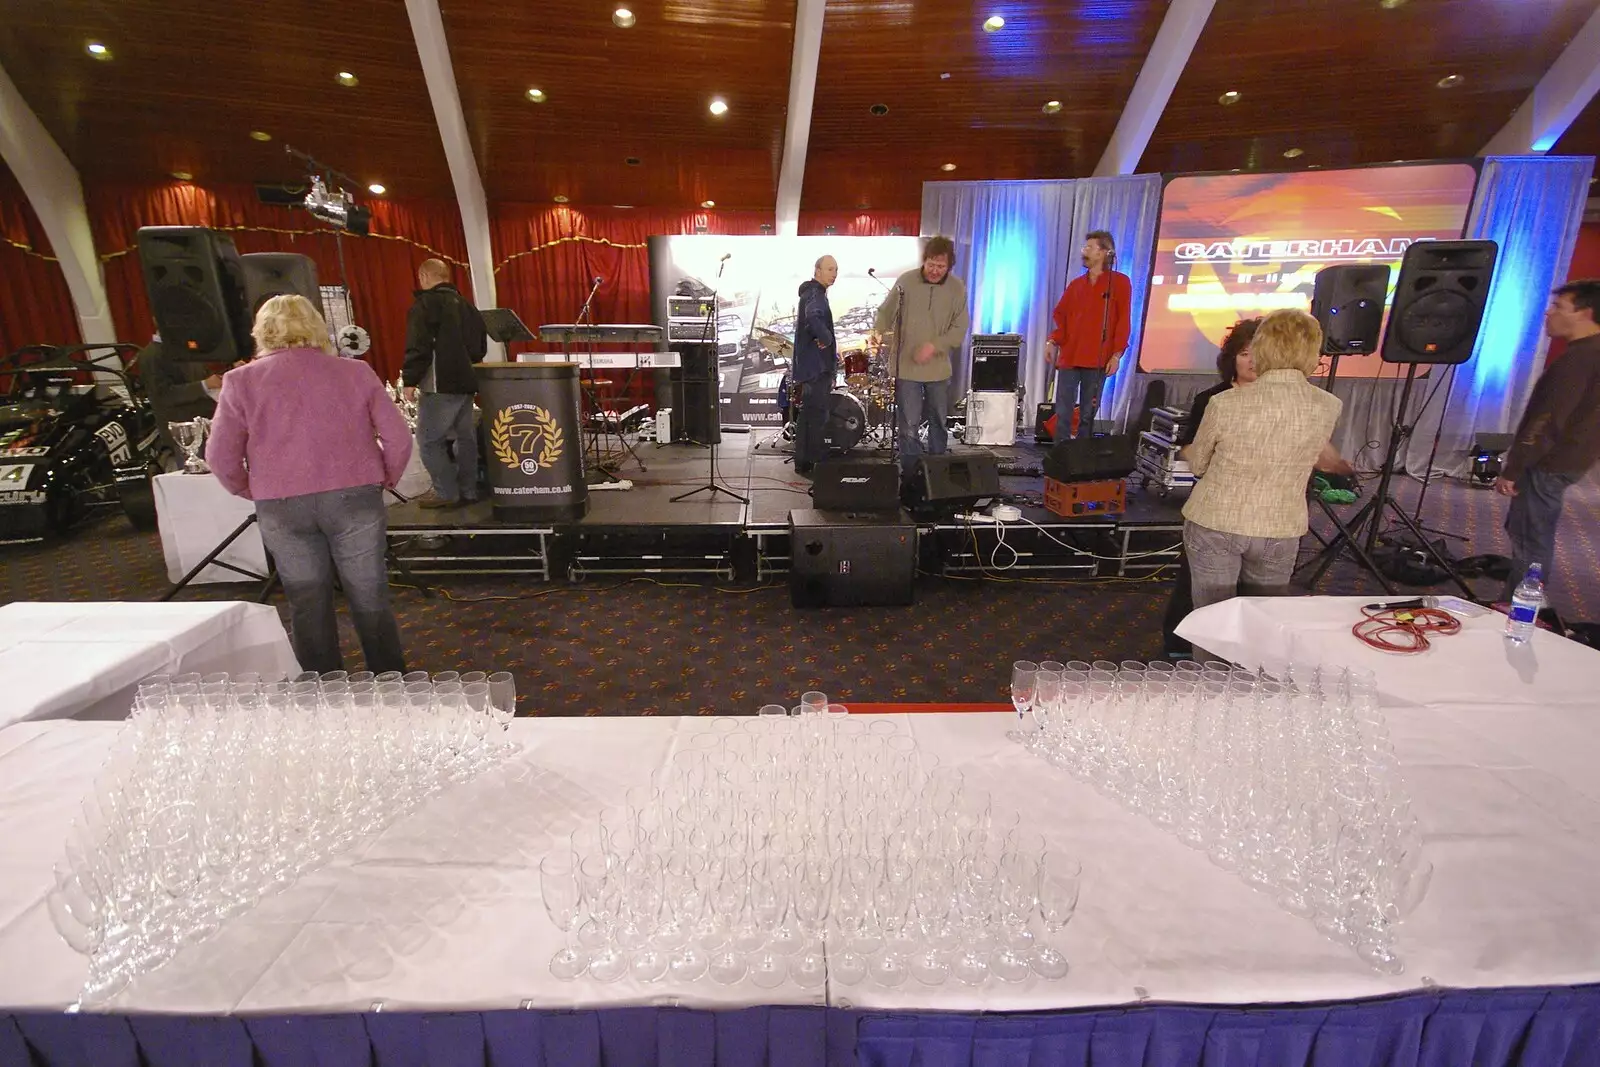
(562, 891)
(1022, 691)
(1059, 882)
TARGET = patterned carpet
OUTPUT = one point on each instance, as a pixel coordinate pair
(644, 647)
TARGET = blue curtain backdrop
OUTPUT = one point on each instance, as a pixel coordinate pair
(1017, 247)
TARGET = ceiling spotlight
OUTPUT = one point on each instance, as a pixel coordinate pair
(1293, 153)
(260, 135)
(708, 203)
(947, 166)
(993, 24)
(1051, 107)
(1449, 81)
(536, 95)
(718, 106)
(98, 50)
(633, 161)
(376, 189)
(879, 109)
(1229, 98)
(945, 76)
(623, 207)
(347, 79)
(623, 17)
(183, 175)
(1390, 5)
(558, 198)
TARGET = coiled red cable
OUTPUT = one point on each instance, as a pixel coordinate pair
(1403, 630)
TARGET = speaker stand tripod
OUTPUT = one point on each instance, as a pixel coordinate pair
(1360, 534)
(708, 336)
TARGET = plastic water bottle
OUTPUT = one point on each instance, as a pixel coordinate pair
(1525, 604)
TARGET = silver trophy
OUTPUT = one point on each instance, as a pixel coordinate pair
(408, 408)
(190, 435)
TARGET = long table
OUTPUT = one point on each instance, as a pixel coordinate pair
(61, 660)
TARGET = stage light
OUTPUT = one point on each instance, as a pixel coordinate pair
(993, 24)
(376, 189)
(183, 175)
(558, 198)
(708, 203)
(1229, 98)
(97, 50)
(347, 79)
(1449, 81)
(623, 17)
(1051, 107)
(1293, 153)
(947, 166)
(536, 95)
(1488, 457)
(260, 135)
(718, 106)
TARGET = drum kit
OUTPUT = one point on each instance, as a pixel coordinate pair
(859, 410)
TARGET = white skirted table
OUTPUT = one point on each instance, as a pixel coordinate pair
(195, 515)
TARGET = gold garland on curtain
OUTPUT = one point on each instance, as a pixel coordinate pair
(28, 249)
(561, 241)
(109, 256)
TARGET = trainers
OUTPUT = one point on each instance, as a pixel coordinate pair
(434, 501)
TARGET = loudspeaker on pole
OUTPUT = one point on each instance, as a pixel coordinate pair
(1347, 300)
(195, 283)
(1439, 301)
(269, 274)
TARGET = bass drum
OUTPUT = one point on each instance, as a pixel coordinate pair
(847, 421)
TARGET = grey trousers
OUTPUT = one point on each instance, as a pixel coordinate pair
(441, 418)
(310, 537)
(1531, 522)
(1224, 565)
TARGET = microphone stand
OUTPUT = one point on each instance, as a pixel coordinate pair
(894, 370)
(708, 338)
(594, 455)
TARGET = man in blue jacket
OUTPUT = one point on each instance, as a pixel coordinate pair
(816, 364)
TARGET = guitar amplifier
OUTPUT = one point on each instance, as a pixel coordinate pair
(856, 484)
(838, 560)
(1090, 459)
(996, 358)
(697, 308)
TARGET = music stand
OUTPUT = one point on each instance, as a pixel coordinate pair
(504, 326)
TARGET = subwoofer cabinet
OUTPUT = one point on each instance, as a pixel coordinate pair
(842, 560)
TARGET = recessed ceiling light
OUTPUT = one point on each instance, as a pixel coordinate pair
(718, 106)
(945, 76)
(98, 50)
(260, 135)
(879, 109)
(993, 24)
(633, 161)
(623, 17)
(708, 203)
(558, 198)
(1449, 81)
(623, 207)
(536, 95)
(376, 189)
(1229, 98)
(183, 175)
(1293, 153)
(947, 166)
(1390, 5)
(1051, 107)
(347, 79)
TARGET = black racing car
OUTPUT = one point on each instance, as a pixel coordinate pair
(76, 434)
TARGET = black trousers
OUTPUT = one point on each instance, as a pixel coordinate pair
(1178, 607)
(809, 445)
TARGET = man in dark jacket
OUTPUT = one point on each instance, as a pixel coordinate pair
(445, 336)
(816, 364)
(179, 390)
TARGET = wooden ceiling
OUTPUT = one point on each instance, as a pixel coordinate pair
(1345, 81)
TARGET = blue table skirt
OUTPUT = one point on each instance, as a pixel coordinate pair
(1557, 1027)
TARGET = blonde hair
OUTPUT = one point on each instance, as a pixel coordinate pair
(1287, 339)
(290, 321)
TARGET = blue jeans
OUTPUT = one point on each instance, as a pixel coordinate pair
(1071, 382)
(1531, 522)
(916, 400)
(442, 418)
(310, 537)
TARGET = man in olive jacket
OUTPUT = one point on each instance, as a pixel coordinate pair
(445, 336)
(930, 304)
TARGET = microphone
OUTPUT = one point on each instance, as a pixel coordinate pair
(598, 280)
(873, 271)
(725, 257)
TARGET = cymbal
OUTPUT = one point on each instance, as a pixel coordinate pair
(773, 341)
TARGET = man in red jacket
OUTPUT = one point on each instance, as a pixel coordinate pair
(1091, 332)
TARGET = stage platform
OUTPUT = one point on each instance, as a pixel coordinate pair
(641, 530)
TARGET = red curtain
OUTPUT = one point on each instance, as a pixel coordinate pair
(35, 303)
(379, 271)
(861, 223)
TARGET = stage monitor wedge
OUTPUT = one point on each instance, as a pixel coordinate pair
(196, 287)
(1439, 301)
(1347, 300)
(270, 274)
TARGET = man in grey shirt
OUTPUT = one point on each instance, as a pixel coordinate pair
(927, 314)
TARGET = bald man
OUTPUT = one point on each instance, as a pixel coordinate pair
(816, 364)
(445, 336)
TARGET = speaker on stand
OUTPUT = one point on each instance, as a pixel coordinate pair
(270, 274)
(1348, 301)
(195, 283)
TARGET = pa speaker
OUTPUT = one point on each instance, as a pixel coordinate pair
(841, 560)
(850, 483)
(269, 274)
(196, 288)
(1439, 301)
(1347, 301)
(958, 478)
(1091, 459)
(696, 407)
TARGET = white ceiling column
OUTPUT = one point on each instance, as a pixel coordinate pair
(1168, 55)
(427, 26)
(797, 131)
(1563, 92)
(51, 184)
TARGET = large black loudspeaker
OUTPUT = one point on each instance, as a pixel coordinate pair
(1439, 301)
(696, 408)
(1348, 303)
(846, 561)
(852, 483)
(269, 274)
(958, 478)
(196, 288)
(1091, 459)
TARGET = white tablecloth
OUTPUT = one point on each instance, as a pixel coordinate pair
(195, 513)
(83, 659)
(443, 912)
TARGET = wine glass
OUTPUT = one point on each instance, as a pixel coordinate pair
(562, 891)
(1059, 882)
(931, 897)
(1022, 686)
(503, 705)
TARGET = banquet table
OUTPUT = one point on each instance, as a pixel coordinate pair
(83, 659)
(195, 514)
(438, 919)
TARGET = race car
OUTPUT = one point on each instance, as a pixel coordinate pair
(76, 435)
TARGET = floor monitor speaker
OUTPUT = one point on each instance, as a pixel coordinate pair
(958, 478)
(854, 483)
(1091, 459)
